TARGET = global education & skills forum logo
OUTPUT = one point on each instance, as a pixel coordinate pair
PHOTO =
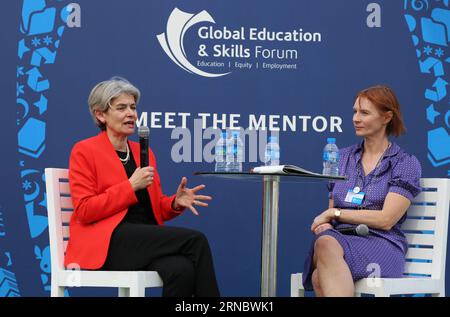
(250, 48)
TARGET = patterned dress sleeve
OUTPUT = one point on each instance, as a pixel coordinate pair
(406, 176)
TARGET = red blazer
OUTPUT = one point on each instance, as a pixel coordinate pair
(101, 195)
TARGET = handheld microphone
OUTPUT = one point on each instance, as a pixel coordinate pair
(360, 230)
(143, 132)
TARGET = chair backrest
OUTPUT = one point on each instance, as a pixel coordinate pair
(59, 209)
(426, 229)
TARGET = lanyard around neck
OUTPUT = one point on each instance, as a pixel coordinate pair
(359, 175)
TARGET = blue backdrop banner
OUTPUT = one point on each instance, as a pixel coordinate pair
(285, 68)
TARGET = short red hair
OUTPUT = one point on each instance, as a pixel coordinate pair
(384, 99)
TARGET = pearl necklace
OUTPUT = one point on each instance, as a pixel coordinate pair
(125, 160)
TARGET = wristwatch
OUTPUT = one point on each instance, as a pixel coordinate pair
(337, 213)
(173, 206)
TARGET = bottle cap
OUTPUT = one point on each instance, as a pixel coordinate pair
(331, 140)
(273, 139)
(224, 135)
(235, 133)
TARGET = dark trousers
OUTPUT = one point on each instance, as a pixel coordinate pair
(182, 257)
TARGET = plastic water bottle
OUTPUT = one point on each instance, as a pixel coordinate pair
(331, 158)
(221, 153)
(235, 153)
(272, 152)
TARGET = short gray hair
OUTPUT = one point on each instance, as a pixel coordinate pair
(102, 94)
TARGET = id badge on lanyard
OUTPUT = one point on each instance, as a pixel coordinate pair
(355, 196)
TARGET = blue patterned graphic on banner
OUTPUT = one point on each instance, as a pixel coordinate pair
(429, 24)
(8, 282)
(44, 257)
(42, 24)
(36, 18)
(32, 138)
(2, 225)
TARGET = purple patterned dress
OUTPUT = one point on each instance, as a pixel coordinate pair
(397, 172)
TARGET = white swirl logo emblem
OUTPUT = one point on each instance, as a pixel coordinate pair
(172, 41)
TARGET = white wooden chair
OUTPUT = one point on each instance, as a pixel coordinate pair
(59, 208)
(426, 230)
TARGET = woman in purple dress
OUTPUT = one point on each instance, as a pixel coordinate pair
(382, 181)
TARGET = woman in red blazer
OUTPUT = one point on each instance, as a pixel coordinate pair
(119, 207)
